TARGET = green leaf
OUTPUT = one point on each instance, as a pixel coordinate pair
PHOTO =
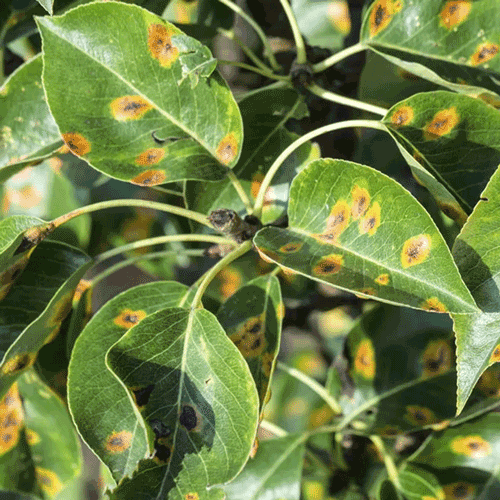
(252, 320)
(357, 229)
(457, 40)
(445, 133)
(417, 484)
(28, 133)
(476, 251)
(324, 23)
(48, 5)
(274, 473)
(203, 12)
(148, 111)
(40, 452)
(265, 114)
(203, 407)
(33, 310)
(103, 410)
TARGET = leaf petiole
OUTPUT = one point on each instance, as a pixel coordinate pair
(239, 189)
(297, 36)
(337, 57)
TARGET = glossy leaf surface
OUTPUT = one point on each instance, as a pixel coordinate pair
(252, 320)
(274, 473)
(357, 229)
(27, 323)
(150, 109)
(445, 134)
(96, 398)
(203, 407)
(27, 130)
(40, 452)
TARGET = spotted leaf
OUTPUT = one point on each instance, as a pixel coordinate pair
(28, 133)
(352, 225)
(201, 14)
(97, 399)
(159, 114)
(203, 407)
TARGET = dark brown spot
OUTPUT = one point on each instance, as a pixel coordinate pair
(188, 418)
(163, 452)
(142, 395)
(160, 44)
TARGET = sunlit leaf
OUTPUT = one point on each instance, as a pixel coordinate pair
(47, 5)
(202, 408)
(148, 110)
(357, 229)
(97, 400)
(28, 133)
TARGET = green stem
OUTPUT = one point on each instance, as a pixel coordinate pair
(150, 256)
(259, 202)
(239, 189)
(212, 273)
(273, 428)
(347, 101)
(152, 205)
(248, 67)
(312, 384)
(297, 36)
(158, 240)
(267, 47)
(167, 191)
(339, 56)
(390, 466)
(276, 85)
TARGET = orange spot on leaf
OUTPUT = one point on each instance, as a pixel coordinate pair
(80, 289)
(364, 360)
(291, 247)
(150, 178)
(129, 318)
(459, 491)
(48, 481)
(118, 442)
(454, 13)
(402, 116)
(471, 446)
(415, 250)
(76, 143)
(437, 358)
(160, 44)
(267, 364)
(495, 355)
(130, 107)
(18, 363)
(360, 202)
(484, 53)
(191, 496)
(150, 157)
(382, 279)
(227, 149)
(433, 305)
(338, 13)
(489, 382)
(419, 415)
(442, 124)
(230, 280)
(32, 437)
(11, 419)
(250, 337)
(381, 15)
(371, 221)
(331, 264)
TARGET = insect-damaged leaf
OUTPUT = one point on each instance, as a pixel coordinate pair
(203, 407)
(97, 399)
(444, 133)
(357, 229)
(35, 306)
(39, 451)
(143, 105)
(28, 133)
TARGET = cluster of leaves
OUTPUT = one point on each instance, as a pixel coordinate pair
(171, 383)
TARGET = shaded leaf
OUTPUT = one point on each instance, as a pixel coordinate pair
(203, 12)
(252, 320)
(48, 5)
(357, 229)
(130, 126)
(40, 450)
(416, 483)
(32, 312)
(97, 400)
(28, 133)
(445, 134)
(274, 473)
(203, 408)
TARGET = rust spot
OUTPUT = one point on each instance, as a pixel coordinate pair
(230, 280)
(267, 364)
(454, 212)
(18, 363)
(443, 123)
(48, 481)
(402, 116)
(364, 360)
(76, 143)
(337, 222)
(82, 286)
(437, 358)
(189, 418)
(489, 382)
(191, 496)
(160, 44)
(419, 415)
(129, 318)
(471, 446)
(320, 416)
(291, 247)
(227, 149)
(130, 107)
(495, 355)
(269, 256)
(331, 264)
(367, 291)
(388, 430)
(415, 250)
(150, 157)
(250, 337)
(11, 419)
(459, 491)
(280, 312)
(338, 13)
(484, 53)
(61, 309)
(163, 452)
(118, 442)
(382, 279)
(454, 13)
(371, 221)
(360, 202)
(32, 437)
(380, 16)
(150, 178)
(185, 12)
(142, 394)
(433, 305)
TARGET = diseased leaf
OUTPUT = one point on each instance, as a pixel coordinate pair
(445, 134)
(28, 133)
(203, 406)
(148, 110)
(34, 308)
(97, 400)
(203, 12)
(252, 320)
(274, 473)
(357, 229)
